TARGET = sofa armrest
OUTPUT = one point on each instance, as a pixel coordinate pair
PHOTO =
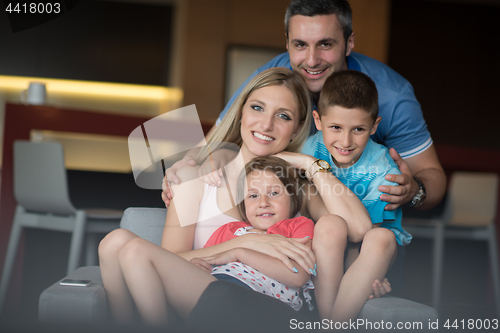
(395, 309)
(70, 305)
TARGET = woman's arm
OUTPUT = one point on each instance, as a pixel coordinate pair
(182, 214)
(290, 251)
(337, 198)
(265, 264)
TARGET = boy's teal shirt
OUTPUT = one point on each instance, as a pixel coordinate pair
(363, 178)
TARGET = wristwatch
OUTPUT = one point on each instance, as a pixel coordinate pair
(419, 198)
(317, 166)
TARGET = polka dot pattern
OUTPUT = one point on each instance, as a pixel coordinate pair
(266, 285)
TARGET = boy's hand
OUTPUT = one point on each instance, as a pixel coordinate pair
(400, 194)
(380, 288)
(171, 177)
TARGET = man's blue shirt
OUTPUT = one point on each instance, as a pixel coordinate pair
(402, 126)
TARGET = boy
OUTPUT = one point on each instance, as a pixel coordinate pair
(346, 117)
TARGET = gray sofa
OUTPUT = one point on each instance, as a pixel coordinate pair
(87, 305)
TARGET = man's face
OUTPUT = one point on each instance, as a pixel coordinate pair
(317, 48)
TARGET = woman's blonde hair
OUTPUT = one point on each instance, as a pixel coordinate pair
(228, 129)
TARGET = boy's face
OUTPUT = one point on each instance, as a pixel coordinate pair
(345, 133)
(266, 201)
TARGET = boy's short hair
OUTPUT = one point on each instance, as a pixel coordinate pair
(285, 172)
(349, 89)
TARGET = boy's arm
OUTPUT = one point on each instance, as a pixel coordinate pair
(337, 198)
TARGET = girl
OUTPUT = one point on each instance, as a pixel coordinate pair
(273, 197)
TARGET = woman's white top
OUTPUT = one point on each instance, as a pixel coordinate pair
(210, 217)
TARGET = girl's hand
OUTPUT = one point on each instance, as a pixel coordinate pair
(222, 257)
(202, 264)
(210, 172)
(297, 160)
(282, 248)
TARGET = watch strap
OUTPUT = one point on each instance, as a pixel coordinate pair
(418, 199)
(317, 167)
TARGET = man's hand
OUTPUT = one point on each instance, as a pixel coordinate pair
(171, 177)
(399, 194)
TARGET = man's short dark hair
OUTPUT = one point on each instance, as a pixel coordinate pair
(349, 89)
(340, 8)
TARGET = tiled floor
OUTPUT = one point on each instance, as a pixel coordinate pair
(467, 284)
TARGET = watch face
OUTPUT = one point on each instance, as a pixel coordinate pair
(323, 164)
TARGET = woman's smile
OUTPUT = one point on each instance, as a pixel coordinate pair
(261, 136)
(269, 120)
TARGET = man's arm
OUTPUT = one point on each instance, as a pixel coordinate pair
(426, 168)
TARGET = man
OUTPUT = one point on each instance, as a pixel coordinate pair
(319, 40)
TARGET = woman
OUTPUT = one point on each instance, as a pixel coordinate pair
(272, 115)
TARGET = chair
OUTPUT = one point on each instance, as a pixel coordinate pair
(41, 192)
(66, 306)
(469, 213)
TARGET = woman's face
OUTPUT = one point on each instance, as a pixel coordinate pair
(269, 120)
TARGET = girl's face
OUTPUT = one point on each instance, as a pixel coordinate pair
(267, 200)
(269, 121)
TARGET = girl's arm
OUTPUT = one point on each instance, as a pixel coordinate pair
(337, 198)
(179, 231)
(265, 264)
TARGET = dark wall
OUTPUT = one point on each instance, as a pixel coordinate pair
(97, 41)
(88, 189)
(450, 53)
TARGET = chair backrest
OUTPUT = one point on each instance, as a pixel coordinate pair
(40, 181)
(146, 223)
(473, 198)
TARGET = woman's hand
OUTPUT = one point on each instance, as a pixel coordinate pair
(222, 257)
(202, 264)
(282, 248)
